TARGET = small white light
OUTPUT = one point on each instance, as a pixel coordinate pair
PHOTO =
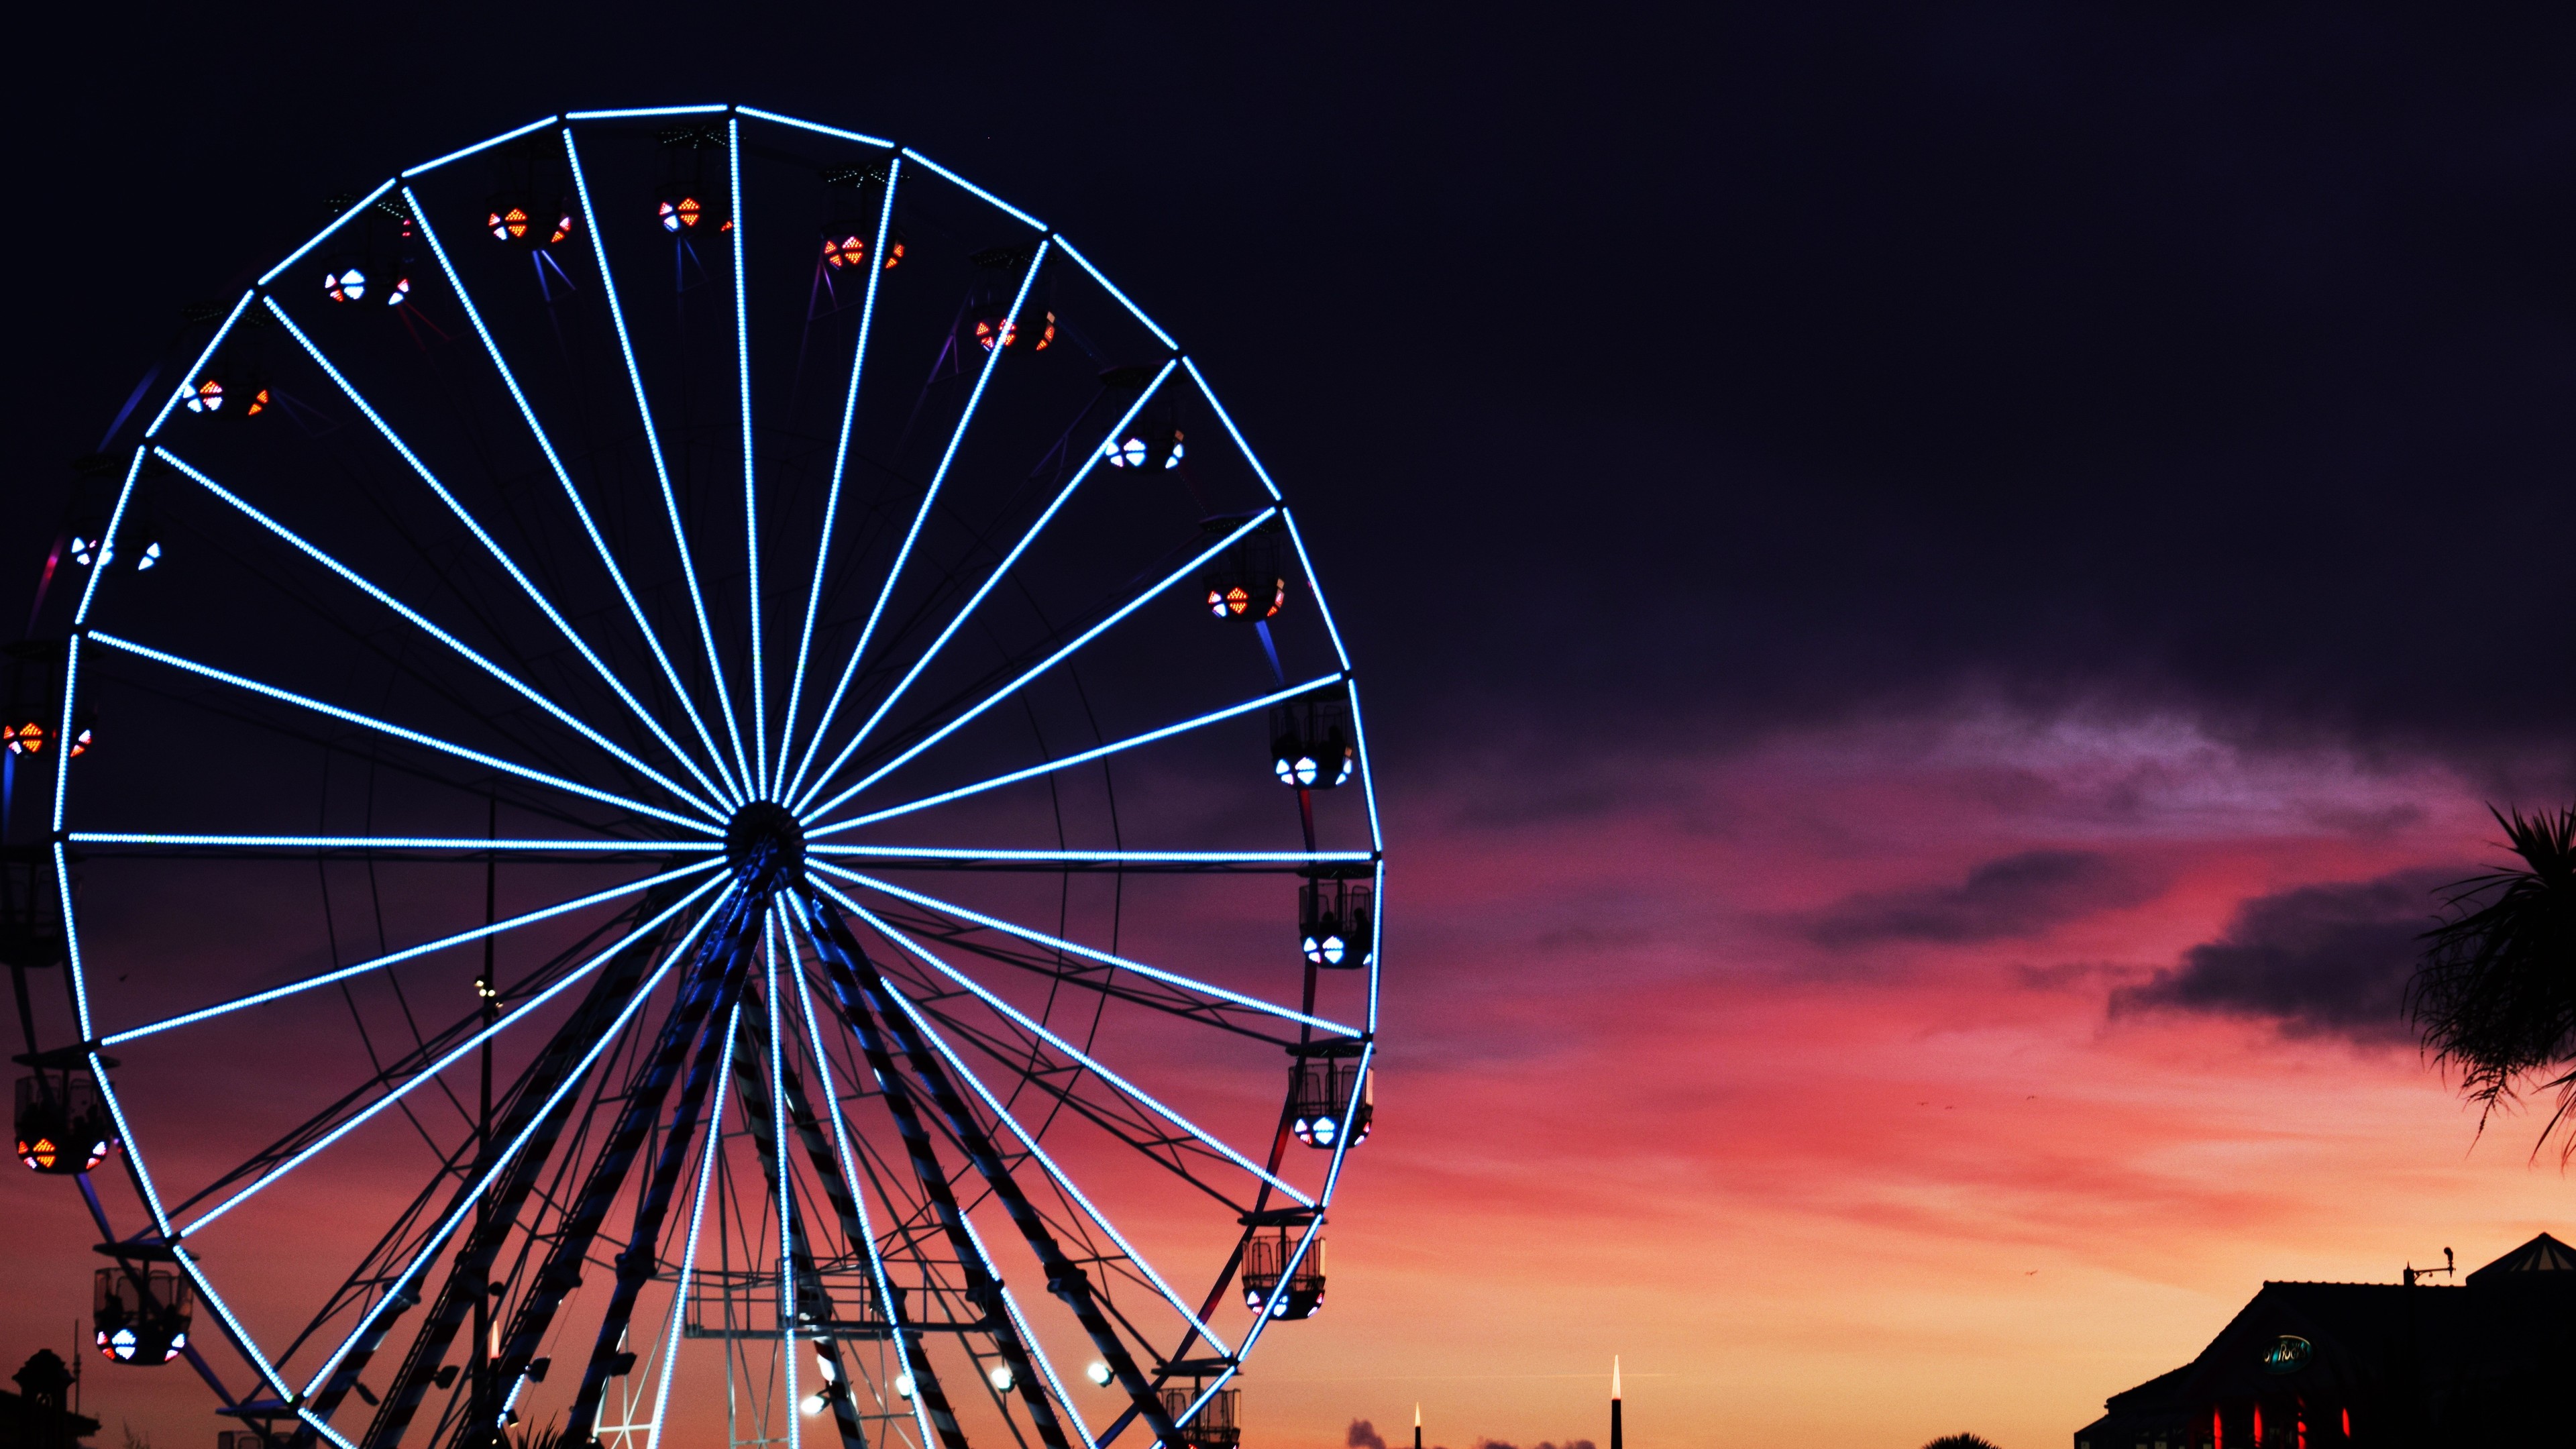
(813, 1405)
(1001, 1377)
(823, 1366)
(903, 1385)
(1098, 1373)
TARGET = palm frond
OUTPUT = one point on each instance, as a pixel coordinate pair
(2495, 992)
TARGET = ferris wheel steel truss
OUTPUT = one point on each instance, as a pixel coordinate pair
(726, 773)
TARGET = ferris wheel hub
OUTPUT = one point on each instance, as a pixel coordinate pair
(765, 846)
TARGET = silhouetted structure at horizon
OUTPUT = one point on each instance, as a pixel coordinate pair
(1614, 1404)
(38, 1416)
(2411, 1364)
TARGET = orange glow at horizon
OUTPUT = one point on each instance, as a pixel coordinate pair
(1849, 1194)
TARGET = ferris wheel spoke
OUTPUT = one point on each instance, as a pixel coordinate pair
(490, 544)
(419, 621)
(1066, 1279)
(1105, 958)
(688, 1264)
(452, 1056)
(938, 1201)
(841, 1189)
(710, 985)
(1084, 757)
(348, 716)
(1050, 861)
(394, 1290)
(1067, 1049)
(920, 516)
(832, 492)
(670, 498)
(1064, 1183)
(790, 1229)
(991, 581)
(1017, 1056)
(545, 444)
(461, 846)
(1051, 661)
(757, 772)
(396, 958)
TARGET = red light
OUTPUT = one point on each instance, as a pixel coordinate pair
(848, 251)
(80, 743)
(24, 739)
(563, 228)
(511, 225)
(987, 329)
(681, 215)
(208, 398)
(258, 404)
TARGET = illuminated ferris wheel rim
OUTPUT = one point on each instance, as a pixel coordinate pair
(748, 808)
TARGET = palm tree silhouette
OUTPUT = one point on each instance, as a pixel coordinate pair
(1960, 1441)
(2495, 992)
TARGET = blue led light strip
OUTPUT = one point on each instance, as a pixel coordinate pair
(633, 112)
(393, 1291)
(408, 953)
(350, 716)
(786, 1198)
(662, 474)
(563, 478)
(1315, 586)
(356, 209)
(1051, 661)
(387, 842)
(1231, 430)
(1085, 757)
(850, 1170)
(491, 545)
(912, 535)
(758, 771)
(418, 621)
(188, 382)
(480, 146)
(688, 1262)
(1152, 973)
(971, 186)
(832, 495)
(1038, 1029)
(1123, 300)
(761, 115)
(1095, 857)
(431, 1072)
(1061, 1178)
(991, 580)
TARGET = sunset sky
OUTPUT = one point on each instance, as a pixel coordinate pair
(1939, 590)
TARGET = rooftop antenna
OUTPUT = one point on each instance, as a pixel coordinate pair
(2448, 1266)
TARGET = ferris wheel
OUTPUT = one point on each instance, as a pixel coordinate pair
(646, 789)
